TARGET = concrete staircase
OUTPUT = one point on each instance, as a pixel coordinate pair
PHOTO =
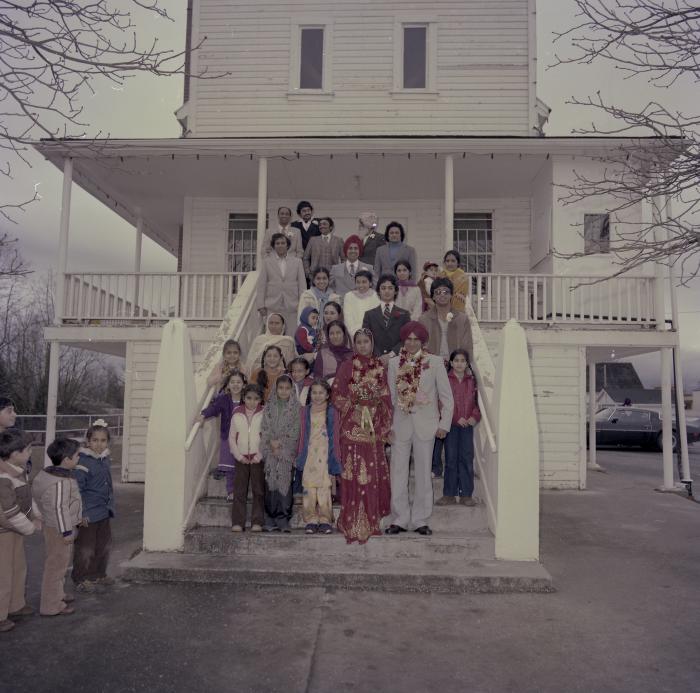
(458, 558)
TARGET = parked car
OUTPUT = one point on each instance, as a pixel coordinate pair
(632, 426)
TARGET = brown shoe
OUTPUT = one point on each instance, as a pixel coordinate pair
(26, 610)
(6, 625)
(66, 611)
(468, 501)
(446, 500)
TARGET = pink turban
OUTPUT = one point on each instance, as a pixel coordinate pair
(352, 239)
(415, 328)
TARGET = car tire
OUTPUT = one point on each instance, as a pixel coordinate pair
(660, 441)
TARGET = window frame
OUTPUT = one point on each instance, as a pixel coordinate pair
(311, 22)
(431, 55)
(489, 255)
(595, 247)
(231, 254)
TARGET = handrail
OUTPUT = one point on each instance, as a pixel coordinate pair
(486, 423)
(224, 334)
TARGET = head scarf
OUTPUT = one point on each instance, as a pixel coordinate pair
(415, 328)
(304, 322)
(261, 342)
(405, 284)
(344, 349)
(367, 333)
(349, 241)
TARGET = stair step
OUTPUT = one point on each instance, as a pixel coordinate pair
(220, 541)
(216, 512)
(441, 574)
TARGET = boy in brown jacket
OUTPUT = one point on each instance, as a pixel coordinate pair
(57, 495)
(15, 524)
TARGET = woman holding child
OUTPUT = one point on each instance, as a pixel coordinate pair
(361, 396)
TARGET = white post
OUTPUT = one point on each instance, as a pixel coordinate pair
(677, 363)
(63, 240)
(137, 261)
(262, 204)
(449, 212)
(659, 272)
(667, 421)
(592, 402)
(51, 398)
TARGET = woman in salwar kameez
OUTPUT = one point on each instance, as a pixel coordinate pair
(361, 396)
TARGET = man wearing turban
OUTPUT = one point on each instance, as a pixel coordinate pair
(343, 274)
(423, 405)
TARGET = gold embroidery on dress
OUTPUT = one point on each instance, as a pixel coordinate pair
(362, 477)
(347, 468)
(360, 528)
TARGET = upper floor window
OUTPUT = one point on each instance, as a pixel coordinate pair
(310, 59)
(596, 233)
(415, 56)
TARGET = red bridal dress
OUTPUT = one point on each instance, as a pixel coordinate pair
(361, 396)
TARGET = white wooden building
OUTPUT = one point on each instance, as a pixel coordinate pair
(424, 112)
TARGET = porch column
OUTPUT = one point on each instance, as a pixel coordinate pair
(137, 261)
(449, 211)
(262, 205)
(678, 368)
(592, 452)
(51, 398)
(659, 270)
(63, 240)
(666, 415)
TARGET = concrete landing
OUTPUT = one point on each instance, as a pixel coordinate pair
(442, 575)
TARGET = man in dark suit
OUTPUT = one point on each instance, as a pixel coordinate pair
(307, 225)
(386, 320)
(371, 238)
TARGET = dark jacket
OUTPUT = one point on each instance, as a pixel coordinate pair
(306, 236)
(222, 405)
(370, 243)
(94, 478)
(386, 338)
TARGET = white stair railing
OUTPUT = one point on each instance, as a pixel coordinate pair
(239, 324)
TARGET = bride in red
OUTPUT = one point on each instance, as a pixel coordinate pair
(361, 396)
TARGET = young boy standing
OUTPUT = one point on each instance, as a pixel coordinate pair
(15, 524)
(57, 494)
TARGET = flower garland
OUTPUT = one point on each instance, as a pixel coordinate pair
(408, 378)
(366, 377)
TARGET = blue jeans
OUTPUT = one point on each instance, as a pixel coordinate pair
(459, 462)
(437, 456)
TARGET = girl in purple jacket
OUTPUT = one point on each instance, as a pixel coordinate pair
(223, 405)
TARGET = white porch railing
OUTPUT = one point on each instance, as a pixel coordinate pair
(149, 297)
(548, 298)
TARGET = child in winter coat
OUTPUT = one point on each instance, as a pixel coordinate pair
(57, 496)
(316, 459)
(307, 332)
(459, 444)
(94, 540)
(15, 524)
(244, 439)
(223, 405)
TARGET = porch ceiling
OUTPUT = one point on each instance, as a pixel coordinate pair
(156, 175)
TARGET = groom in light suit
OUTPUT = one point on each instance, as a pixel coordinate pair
(420, 416)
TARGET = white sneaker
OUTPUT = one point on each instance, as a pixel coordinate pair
(236, 528)
(256, 528)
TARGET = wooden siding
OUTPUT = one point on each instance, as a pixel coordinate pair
(141, 364)
(206, 226)
(481, 78)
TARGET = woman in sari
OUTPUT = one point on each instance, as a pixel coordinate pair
(274, 336)
(459, 278)
(361, 396)
(334, 352)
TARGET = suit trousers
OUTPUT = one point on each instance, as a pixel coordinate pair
(255, 475)
(403, 514)
(56, 564)
(92, 547)
(13, 573)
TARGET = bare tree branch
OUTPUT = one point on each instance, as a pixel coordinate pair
(657, 41)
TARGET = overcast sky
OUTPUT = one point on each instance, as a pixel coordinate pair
(100, 241)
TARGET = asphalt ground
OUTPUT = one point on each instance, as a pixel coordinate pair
(624, 558)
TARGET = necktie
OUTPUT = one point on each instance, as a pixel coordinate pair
(387, 315)
(352, 269)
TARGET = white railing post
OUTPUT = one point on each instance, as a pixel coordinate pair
(262, 206)
(449, 209)
(63, 239)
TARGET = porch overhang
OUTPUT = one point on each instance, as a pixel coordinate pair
(152, 177)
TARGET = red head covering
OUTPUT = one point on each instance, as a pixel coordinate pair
(352, 239)
(415, 328)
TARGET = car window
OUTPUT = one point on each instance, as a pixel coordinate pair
(632, 416)
(604, 414)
